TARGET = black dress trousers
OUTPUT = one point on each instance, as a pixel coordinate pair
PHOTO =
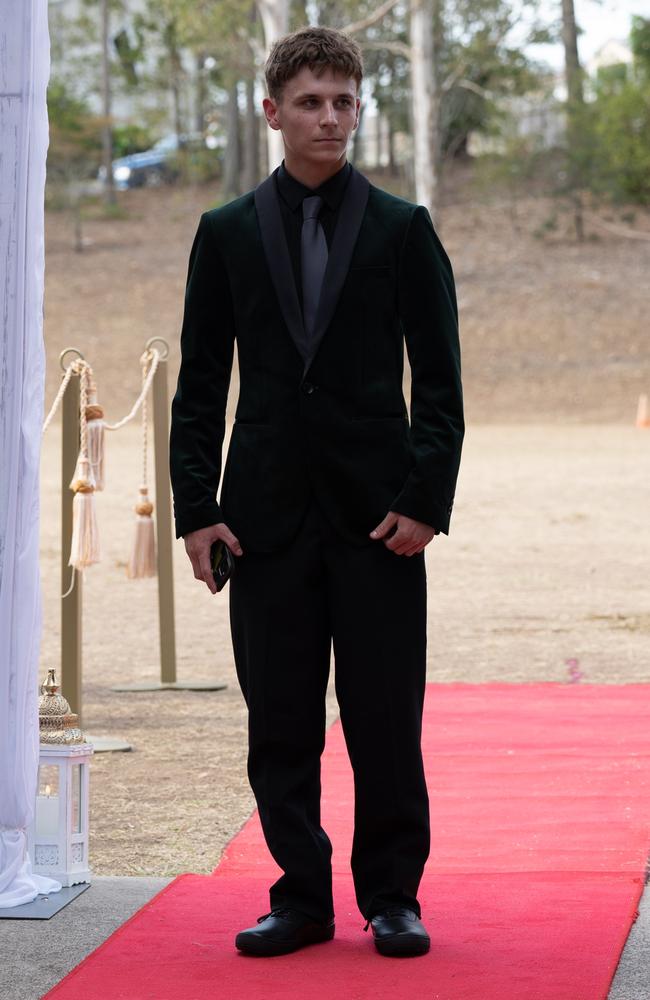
(286, 609)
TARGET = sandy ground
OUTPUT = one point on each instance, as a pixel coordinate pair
(546, 563)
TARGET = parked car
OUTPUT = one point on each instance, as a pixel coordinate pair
(157, 165)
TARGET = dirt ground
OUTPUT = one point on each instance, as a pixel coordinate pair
(544, 575)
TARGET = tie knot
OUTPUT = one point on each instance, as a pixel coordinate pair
(311, 207)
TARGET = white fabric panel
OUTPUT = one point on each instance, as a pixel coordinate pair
(24, 74)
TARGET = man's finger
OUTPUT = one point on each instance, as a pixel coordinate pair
(401, 540)
(231, 541)
(195, 565)
(384, 526)
(400, 550)
(205, 570)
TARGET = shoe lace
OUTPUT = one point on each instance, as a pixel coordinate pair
(390, 911)
(283, 912)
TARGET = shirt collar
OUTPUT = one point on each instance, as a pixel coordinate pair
(331, 191)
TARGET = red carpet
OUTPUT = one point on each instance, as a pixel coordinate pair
(540, 810)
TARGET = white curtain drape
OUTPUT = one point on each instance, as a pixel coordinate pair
(24, 137)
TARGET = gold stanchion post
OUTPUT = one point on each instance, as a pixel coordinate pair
(164, 538)
(71, 632)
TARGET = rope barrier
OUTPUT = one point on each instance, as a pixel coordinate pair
(81, 368)
(89, 410)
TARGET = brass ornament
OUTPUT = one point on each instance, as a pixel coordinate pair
(57, 724)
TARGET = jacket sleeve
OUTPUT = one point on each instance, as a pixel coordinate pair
(429, 317)
(198, 409)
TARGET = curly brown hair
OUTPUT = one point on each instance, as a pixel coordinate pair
(315, 47)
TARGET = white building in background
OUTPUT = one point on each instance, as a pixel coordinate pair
(535, 116)
(613, 52)
(542, 115)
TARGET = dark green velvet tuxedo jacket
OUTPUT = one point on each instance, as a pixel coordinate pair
(329, 416)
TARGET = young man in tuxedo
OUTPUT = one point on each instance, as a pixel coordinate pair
(329, 495)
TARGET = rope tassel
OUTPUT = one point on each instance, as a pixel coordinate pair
(95, 428)
(142, 561)
(84, 547)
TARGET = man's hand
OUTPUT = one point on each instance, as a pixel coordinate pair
(410, 537)
(198, 545)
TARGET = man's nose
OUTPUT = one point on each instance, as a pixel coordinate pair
(329, 115)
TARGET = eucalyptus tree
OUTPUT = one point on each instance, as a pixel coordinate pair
(575, 135)
(461, 62)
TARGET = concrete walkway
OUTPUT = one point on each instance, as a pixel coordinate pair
(632, 979)
(37, 954)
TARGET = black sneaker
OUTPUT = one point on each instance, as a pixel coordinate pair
(281, 931)
(399, 932)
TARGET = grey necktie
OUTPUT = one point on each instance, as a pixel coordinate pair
(313, 259)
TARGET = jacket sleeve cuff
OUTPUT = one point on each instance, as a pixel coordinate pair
(203, 517)
(437, 516)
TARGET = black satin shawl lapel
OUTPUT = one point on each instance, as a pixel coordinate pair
(351, 214)
(274, 241)
(279, 262)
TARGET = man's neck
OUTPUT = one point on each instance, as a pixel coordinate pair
(312, 176)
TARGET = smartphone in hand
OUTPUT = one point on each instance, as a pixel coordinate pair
(222, 563)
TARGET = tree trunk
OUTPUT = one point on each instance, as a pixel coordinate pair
(175, 67)
(575, 103)
(199, 110)
(424, 100)
(378, 140)
(356, 136)
(107, 132)
(251, 145)
(275, 20)
(232, 161)
(251, 124)
(437, 138)
(392, 163)
(572, 69)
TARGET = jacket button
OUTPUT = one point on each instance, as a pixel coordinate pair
(308, 388)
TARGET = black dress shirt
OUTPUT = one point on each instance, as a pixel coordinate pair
(292, 192)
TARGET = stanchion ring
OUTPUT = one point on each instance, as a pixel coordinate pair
(67, 351)
(161, 340)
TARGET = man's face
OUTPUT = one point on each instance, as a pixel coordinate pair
(316, 115)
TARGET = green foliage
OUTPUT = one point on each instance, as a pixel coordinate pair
(610, 79)
(129, 47)
(621, 138)
(605, 150)
(131, 138)
(75, 135)
(479, 68)
(195, 166)
(640, 43)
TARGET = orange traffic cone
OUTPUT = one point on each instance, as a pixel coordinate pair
(642, 418)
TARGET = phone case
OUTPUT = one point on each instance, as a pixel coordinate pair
(222, 562)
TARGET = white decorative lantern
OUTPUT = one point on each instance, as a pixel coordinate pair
(57, 840)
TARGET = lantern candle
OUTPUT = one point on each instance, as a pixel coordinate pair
(47, 814)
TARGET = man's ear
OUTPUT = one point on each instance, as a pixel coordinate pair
(270, 113)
